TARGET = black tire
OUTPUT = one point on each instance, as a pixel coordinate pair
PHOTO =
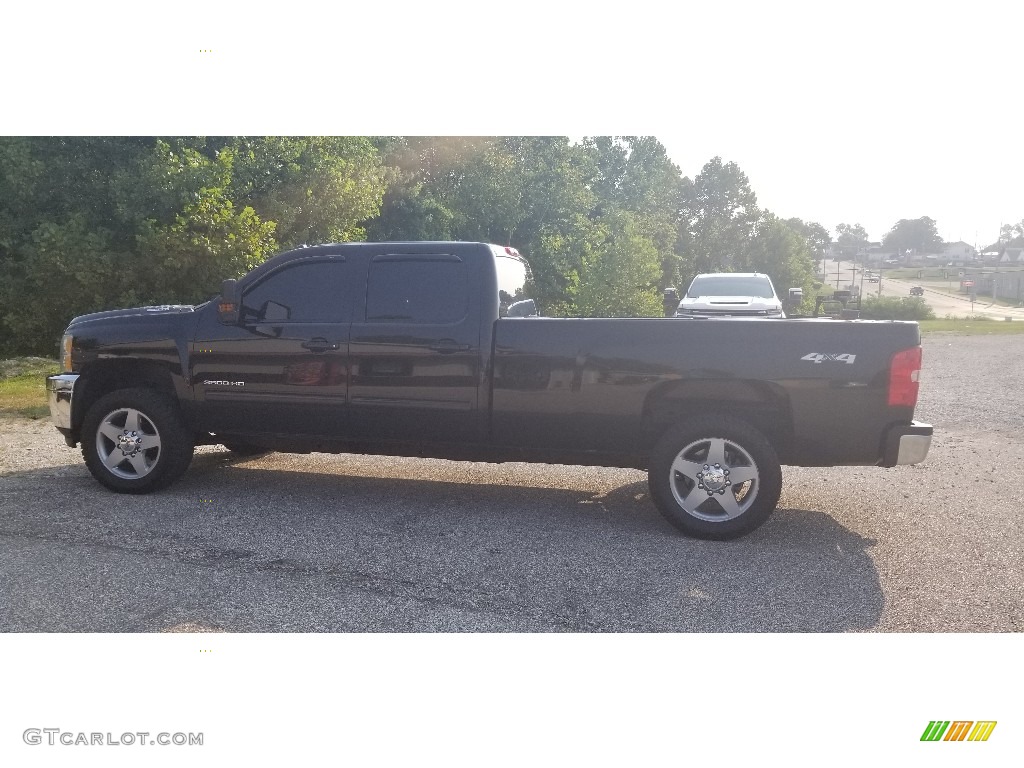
(736, 450)
(163, 446)
(240, 448)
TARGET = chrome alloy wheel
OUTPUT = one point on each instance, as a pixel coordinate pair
(714, 479)
(128, 443)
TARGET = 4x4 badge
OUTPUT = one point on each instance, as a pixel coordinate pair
(816, 357)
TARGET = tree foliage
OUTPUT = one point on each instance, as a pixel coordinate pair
(719, 217)
(1011, 235)
(851, 234)
(919, 235)
(93, 223)
(817, 237)
(895, 308)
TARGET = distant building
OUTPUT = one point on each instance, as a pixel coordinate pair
(959, 252)
(1013, 256)
(877, 253)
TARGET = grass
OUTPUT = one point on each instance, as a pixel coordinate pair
(23, 386)
(970, 326)
(926, 273)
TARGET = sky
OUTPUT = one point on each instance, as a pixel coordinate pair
(862, 112)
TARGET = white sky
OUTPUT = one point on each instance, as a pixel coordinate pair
(856, 112)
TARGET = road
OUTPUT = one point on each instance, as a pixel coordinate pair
(942, 303)
(345, 543)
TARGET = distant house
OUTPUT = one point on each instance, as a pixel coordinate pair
(1013, 256)
(959, 252)
(877, 253)
(847, 250)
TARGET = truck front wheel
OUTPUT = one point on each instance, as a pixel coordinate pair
(715, 477)
(134, 441)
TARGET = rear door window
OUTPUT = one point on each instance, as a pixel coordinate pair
(428, 290)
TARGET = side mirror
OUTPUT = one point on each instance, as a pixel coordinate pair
(229, 304)
(525, 308)
(670, 301)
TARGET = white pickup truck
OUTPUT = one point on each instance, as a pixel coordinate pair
(730, 294)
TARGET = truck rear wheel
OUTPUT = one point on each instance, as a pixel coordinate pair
(134, 441)
(715, 477)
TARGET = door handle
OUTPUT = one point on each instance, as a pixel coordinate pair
(319, 345)
(447, 347)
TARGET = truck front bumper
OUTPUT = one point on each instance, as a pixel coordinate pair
(60, 390)
(907, 444)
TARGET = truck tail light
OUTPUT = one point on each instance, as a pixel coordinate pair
(904, 373)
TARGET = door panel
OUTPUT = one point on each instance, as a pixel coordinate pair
(416, 363)
(284, 368)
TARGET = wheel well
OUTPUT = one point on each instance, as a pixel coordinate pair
(760, 404)
(106, 376)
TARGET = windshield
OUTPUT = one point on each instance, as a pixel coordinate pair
(757, 286)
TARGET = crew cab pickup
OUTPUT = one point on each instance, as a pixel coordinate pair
(434, 349)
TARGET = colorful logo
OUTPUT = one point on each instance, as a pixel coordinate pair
(958, 730)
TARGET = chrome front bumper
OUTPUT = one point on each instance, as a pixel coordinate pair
(59, 390)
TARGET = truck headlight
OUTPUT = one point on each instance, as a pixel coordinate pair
(66, 343)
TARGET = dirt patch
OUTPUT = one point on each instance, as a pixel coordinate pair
(32, 443)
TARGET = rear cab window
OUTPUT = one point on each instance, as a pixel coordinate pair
(514, 278)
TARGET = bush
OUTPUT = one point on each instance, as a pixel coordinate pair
(896, 308)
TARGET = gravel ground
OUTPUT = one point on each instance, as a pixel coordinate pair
(355, 543)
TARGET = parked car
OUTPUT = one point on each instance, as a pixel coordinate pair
(917, 290)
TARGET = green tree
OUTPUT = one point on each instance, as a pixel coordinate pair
(315, 189)
(635, 174)
(920, 235)
(719, 216)
(783, 253)
(1010, 236)
(851, 234)
(816, 236)
(93, 223)
(615, 270)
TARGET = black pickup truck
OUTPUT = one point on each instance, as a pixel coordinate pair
(433, 349)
